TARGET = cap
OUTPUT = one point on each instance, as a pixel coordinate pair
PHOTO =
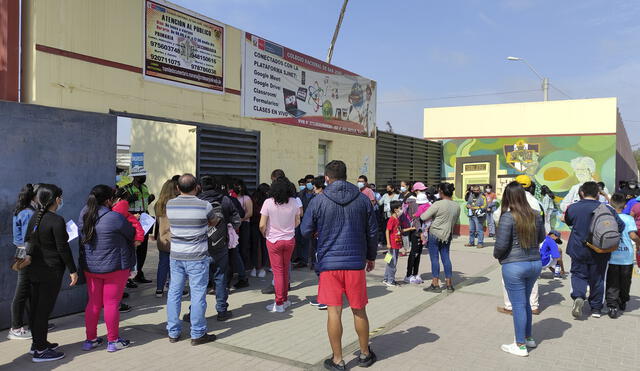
(422, 199)
(524, 180)
(556, 233)
(138, 171)
(418, 186)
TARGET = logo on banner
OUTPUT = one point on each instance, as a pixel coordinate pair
(522, 155)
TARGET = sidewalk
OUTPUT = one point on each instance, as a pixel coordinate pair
(411, 329)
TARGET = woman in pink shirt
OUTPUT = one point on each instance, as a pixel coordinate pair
(280, 215)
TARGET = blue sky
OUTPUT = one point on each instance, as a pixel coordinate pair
(422, 53)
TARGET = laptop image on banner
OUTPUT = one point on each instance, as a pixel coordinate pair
(291, 103)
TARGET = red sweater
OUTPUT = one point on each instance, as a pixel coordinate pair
(122, 208)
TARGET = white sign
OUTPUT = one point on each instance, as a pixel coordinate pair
(72, 230)
(146, 221)
(287, 87)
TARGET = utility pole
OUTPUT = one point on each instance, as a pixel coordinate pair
(335, 33)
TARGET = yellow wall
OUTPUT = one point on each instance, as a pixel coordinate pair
(112, 30)
(579, 116)
(169, 149)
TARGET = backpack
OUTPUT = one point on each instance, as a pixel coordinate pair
(604, 236)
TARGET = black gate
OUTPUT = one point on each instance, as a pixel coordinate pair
(401, 157)
(234, 152)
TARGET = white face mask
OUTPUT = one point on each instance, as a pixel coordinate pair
(360, 185)
(61, 204)
(403, 189)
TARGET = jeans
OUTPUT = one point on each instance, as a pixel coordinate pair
(519, 278)
(280, 256)
(390, 270)
(197, 271)
(104, 291)
(44, 288)
(413, 261)
(218, 274)
(236, 264)
(163, 270)
(476, 229)
(618, 285)
(591, 275)
(20, 301)
(491, 224)
(437, 247)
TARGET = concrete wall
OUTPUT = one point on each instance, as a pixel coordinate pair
(169, 149)
(72, 149)
(112, 30)
(564, 117)
(626, 165)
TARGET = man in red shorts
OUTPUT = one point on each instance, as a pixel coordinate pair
(347, 231)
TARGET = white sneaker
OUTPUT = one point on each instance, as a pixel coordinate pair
(253, 273)
(19, 334)
(262, 273)
(531, 343)
(286, 304)
(409, 279)
(274, 308)
(515, 349)
(418, 280)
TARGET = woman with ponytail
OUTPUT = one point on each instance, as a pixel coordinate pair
(107, 255)
(25, 207)
(48, 248)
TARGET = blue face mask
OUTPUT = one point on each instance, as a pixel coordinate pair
(360, 185)
(302, 188)
(310, 186)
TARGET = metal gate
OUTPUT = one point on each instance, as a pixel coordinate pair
(401, 157)
(233, 152)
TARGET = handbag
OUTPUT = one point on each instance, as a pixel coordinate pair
(20, 260)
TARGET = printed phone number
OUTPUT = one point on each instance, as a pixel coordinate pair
(166, 60)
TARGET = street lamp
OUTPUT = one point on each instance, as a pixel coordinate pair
(545, 81)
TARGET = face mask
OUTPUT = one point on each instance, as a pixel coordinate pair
(632, 186)
(360, 185)
(489, 190)
(403, 189)
(302, 187)
(61, 204)
(390, 192)
(310, 186)
(325, 184)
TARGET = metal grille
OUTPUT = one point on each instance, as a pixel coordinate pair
(232, 152)
(401, 157)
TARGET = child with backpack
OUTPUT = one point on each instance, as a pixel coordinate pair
(621, 261)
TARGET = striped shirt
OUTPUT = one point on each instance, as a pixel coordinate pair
(188, 219)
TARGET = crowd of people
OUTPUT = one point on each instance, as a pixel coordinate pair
(212, 233)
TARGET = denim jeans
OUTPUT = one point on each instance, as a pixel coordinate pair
(491, 224)
(20, 300)
(163, 270)
(476, 229)
(218, 274)
(390, 271)
(197, 271)
(236, 263)
(441, 249)
(519, 278)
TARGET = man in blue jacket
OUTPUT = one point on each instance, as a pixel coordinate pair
(588, 268)
(346, 226)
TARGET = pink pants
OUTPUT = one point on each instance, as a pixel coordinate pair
(280, 258)
(105, 290)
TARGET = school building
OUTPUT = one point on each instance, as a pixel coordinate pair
(560, 144)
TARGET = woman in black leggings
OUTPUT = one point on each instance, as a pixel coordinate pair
(49, 252)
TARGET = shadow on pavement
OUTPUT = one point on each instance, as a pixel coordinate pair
(551, 328)
(547, 293)
(399, 342)
(458, 278)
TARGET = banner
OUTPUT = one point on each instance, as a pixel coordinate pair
(284, 86)
(183, 48)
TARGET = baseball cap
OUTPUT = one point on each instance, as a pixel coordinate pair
(418, 186)
(558, 236)
(524, 180)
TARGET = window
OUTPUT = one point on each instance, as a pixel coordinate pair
(323, 156)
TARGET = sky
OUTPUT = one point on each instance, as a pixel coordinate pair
(431, 53)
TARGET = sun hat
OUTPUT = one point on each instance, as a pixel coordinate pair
(418, 186)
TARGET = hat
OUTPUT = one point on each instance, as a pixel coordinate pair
(138, 171)
(422, 199)
(418, 186)
(524, 180)
(557, 234)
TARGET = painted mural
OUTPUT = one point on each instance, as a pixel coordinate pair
(560, 162)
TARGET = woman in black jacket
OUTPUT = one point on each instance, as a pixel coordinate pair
(48, 249)
(520, 232)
